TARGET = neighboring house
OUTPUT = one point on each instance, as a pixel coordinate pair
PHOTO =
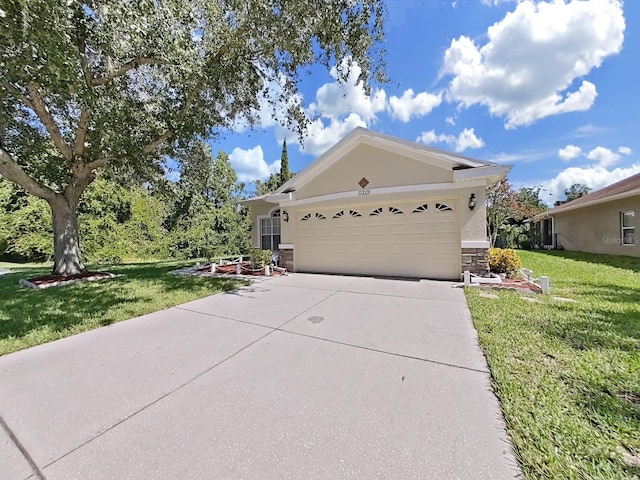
(379, 205)
(601, 222)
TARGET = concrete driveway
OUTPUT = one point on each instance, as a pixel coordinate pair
(305, 376)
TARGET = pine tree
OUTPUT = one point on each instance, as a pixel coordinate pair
(285, 173)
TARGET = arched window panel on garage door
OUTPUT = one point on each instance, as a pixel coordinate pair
(306, 217)
(377, 211)
(339, 214)
(422, 208)
(270, 231)
(441, 207)
(395, 211)
(353, 213)
(320, 216)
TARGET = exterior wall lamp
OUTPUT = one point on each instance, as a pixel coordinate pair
(285, 216)
(472, 201)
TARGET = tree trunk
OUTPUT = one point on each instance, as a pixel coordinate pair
(67, 259)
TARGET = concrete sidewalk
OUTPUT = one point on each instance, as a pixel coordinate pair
(304, 376)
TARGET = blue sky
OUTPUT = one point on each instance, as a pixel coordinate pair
(546, 86)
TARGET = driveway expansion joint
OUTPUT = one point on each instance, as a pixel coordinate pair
(395, 296)
(385, 352)
(25, 453)
(222, 317)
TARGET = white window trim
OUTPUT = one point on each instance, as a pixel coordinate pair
(259, 225)
(623, 228)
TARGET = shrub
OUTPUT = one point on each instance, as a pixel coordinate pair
(260, 258)
(525, 244)
(504, 260)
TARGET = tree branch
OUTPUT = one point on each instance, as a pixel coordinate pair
(83, 176)
(130, 65)
(99, 163)
(81, 132)
(88, 77)
(39, 106)
(20, 95)
(150, 147)
(13, 172)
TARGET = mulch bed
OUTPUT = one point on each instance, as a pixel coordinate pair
(517, 284)
(46, 281)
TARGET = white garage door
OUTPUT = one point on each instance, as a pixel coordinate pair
(418, 239)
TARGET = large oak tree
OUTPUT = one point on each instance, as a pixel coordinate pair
(119, 85)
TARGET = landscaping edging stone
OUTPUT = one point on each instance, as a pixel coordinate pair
(199, 272)
(102, 275)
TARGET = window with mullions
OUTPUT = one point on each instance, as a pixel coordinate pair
(270, 231)
(628, 227)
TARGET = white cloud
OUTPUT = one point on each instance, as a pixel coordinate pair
(587, 131)
(336, 98)
(495, 2)
(465, 140)
(510, 158)
(339, 107)
(250, 164)
(604, 156)
(450, 121)
(595, 177)
(625, 150)
(527, 69)
(430, 137)
(569, 153)
(321, 136)
(410, 105)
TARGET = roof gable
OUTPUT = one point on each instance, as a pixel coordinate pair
(361, 136)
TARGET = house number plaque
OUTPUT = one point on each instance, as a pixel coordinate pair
(363, 184)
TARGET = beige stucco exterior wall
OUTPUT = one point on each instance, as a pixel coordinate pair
(258, 209)
(473, 222)
(287, 229)
(597, 229)
(380, 167)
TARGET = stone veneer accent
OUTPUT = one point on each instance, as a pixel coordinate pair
(476, 260)
(286, 258)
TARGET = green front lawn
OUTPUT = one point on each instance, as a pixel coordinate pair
(568, 374)
(31, 317)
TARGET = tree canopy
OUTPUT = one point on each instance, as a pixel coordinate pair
(120, 85)
(574, 192)
(207, 219)
(508, 208)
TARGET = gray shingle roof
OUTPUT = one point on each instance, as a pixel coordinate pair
(626, 186)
